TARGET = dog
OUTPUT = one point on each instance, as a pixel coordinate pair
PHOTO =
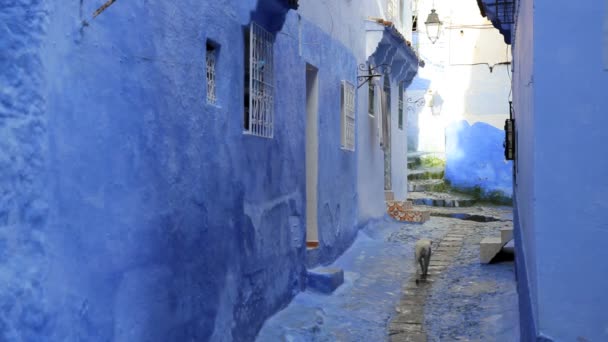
(423, 256)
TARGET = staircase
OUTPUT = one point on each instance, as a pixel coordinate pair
(426, 186)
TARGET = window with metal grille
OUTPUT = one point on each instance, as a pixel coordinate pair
(348, 116)
(259, 82)
(400, 105)
(211, 55)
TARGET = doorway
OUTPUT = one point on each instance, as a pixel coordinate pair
(312, 155)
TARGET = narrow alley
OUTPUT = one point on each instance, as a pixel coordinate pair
(303, 170)
(380, 300)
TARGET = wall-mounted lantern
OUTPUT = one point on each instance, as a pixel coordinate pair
(433, 26)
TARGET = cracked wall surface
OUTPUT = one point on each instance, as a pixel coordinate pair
(133, 210)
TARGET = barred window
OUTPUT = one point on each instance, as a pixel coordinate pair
(259, 82)
(348, 116)
(210, 61)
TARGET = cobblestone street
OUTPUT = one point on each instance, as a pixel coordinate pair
(462, 300)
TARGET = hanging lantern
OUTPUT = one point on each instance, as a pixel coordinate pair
(433, 26)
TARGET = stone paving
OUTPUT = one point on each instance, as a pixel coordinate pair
(408, 324)
(380, 300)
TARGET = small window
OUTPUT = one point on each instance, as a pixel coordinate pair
(414, 23)
(401, 105)
(348, 116)
(211, 56)
(259, 82)
(371, 95)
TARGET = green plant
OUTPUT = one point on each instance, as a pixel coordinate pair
(432, 161)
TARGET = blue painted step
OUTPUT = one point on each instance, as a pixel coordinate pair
(325, 280)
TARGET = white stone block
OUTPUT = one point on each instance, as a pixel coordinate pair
(506, 235)
(488, 248)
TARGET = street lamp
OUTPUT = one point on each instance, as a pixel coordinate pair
(433, 26)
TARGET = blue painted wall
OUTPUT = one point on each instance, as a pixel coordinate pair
(337, 196)
(24, 251)
(133, 210)
(524, 189)
(475, 157)
(560, 182)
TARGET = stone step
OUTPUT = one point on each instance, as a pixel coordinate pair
(488, 248)
(426, 173)
(506, 235)
(325, 280)
(404, 211)
(313, 257)
(441, 199)
(449, 203)
(411, 215)
(419, 185)
(393, 206)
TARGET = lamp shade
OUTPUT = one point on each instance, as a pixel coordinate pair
(433, 26)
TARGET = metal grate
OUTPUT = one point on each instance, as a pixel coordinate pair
(348, 116)
(261, 82)
(504, 9)
(210, 57)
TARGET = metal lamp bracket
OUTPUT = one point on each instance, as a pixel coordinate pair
(377, 71)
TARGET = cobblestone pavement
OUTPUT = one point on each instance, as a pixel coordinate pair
(379, 301)
(472, 301)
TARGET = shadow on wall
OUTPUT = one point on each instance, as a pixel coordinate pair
(414, 103)
(475, 159)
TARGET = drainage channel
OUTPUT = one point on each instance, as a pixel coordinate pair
(468, 217)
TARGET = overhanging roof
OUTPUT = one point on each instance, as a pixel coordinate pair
(271, 14)
(387, 46)
(501, 13)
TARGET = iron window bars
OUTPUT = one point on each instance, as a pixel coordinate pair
(261, 83)
(348, 116)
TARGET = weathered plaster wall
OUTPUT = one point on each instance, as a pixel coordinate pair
(475, 158)
(570, 116)
(170, 223)
(164, 222)
(24, 251)
(524, 184)
(344, 21)
(337, 195)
